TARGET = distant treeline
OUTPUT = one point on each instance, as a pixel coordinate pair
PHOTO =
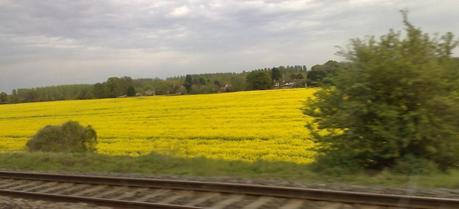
(267, 78)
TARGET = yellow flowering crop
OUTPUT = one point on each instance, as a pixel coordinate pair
(249, 126)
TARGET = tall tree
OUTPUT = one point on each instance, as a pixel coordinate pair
(3, 98)
(319, 73)
(13, 98)
(259, 80)
(202, 81)
(276, 75)
(396, 104)
(188, 83)
(131, 91)
(100, 91)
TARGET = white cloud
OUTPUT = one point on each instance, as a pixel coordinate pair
(180, 11)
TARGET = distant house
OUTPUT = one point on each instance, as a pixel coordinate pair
(226, 87)
(288, 85)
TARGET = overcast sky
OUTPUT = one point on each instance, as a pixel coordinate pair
(44, 42)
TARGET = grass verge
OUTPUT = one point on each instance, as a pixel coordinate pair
(155, 164)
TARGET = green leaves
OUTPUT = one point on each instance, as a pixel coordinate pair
(69, 137)
(399, 97)
(259, 80)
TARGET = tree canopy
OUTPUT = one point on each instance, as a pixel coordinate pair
(320, 74)
(397, 102)
(259, 80)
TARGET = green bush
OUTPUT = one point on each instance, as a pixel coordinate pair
(410, 164)
(69, 137)
(397, 101)
(336, 164)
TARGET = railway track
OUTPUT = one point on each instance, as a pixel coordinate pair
(166, 194)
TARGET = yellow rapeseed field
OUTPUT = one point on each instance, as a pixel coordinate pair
(248, 126)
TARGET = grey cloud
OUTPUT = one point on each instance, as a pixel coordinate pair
(56, 41)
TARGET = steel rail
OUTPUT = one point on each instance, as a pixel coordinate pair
(92, 200)
(402, 201)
